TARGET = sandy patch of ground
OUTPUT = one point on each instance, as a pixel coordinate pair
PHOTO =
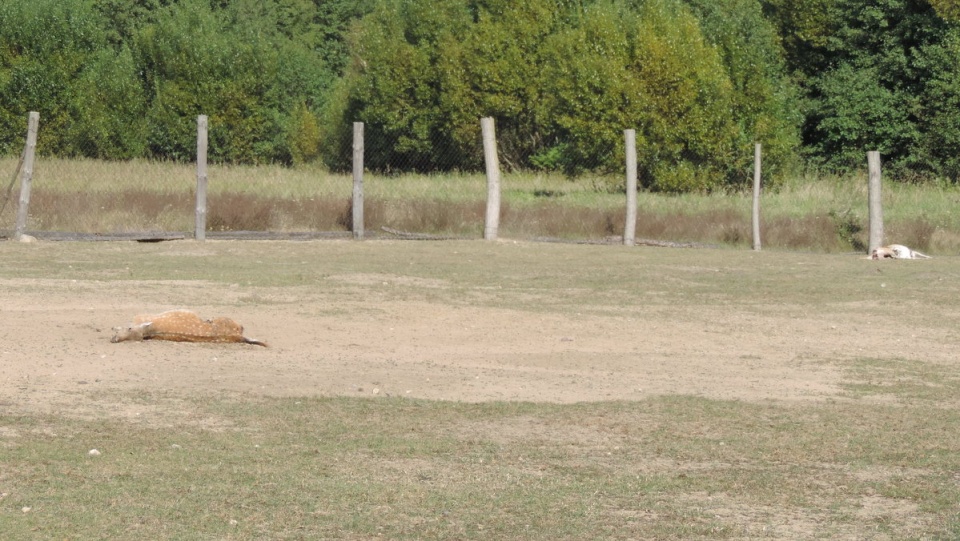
(54, 348)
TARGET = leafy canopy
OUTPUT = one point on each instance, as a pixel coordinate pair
(563, 80)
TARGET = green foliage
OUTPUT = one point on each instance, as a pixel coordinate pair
(888, 76)
(562, 80)
(499, 73)
(303, 135)
(282, 81)
(44, 46)
(120, 80)
(856, 113)
(765, 101)
(424, 73)
(107, 108)
(948, 9)
(939, 124)
(804, 28)
(404, 84)
(687, 96)
(391, 90)
(591, 92)
(238, 67)
(651, 70)
(123, 18)
(849, 229)
(182, 70)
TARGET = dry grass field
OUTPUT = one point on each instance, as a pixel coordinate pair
(479, 390)
(810, 214)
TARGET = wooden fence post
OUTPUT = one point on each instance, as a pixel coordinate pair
(756, 196)
(876, 204)
(26, 174)
(492, 223)
(358, 180)
(200, 231)
(630, 225)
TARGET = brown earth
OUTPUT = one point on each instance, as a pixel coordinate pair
(55, 347)
(381, 331)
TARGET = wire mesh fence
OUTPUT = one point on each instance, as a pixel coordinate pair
(401, 198)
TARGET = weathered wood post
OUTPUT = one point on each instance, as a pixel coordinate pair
(756, 196)
(357, 225)
(630, 225)
(26, 174)
(492, 222)
(200, 227)
(876, 204)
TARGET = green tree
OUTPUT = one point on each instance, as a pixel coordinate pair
(106, 108)
(563, 79)
(765, 100)
(424, 73)
(496, 70)
(651, 70)
(592, 90)
(939, 121)
(117, 80)
(805, 28)
(890, 77)
(303, 135)
(690, 133)
(948, 9)
(123, 18)
(237, 66)
(46, 45)
(393, 85)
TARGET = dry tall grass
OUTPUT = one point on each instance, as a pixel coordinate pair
(806, 213)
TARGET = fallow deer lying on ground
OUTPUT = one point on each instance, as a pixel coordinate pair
(183, 326)
(897, 251)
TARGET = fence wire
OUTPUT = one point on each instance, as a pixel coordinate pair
(401, 198)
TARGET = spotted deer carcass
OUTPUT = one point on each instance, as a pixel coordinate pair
(897, 251)
(183, 326)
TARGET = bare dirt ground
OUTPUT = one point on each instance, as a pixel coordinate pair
(55, 348)
(535, 323)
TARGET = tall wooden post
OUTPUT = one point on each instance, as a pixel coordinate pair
(200, 228)
(630, 225)
(357, 181)
(26, 174)
(876, 204)
(492, 222)
(756, 196)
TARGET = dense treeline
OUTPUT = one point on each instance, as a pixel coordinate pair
(119, 79)
(880, 74)
(818, 82)
(563, 80)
